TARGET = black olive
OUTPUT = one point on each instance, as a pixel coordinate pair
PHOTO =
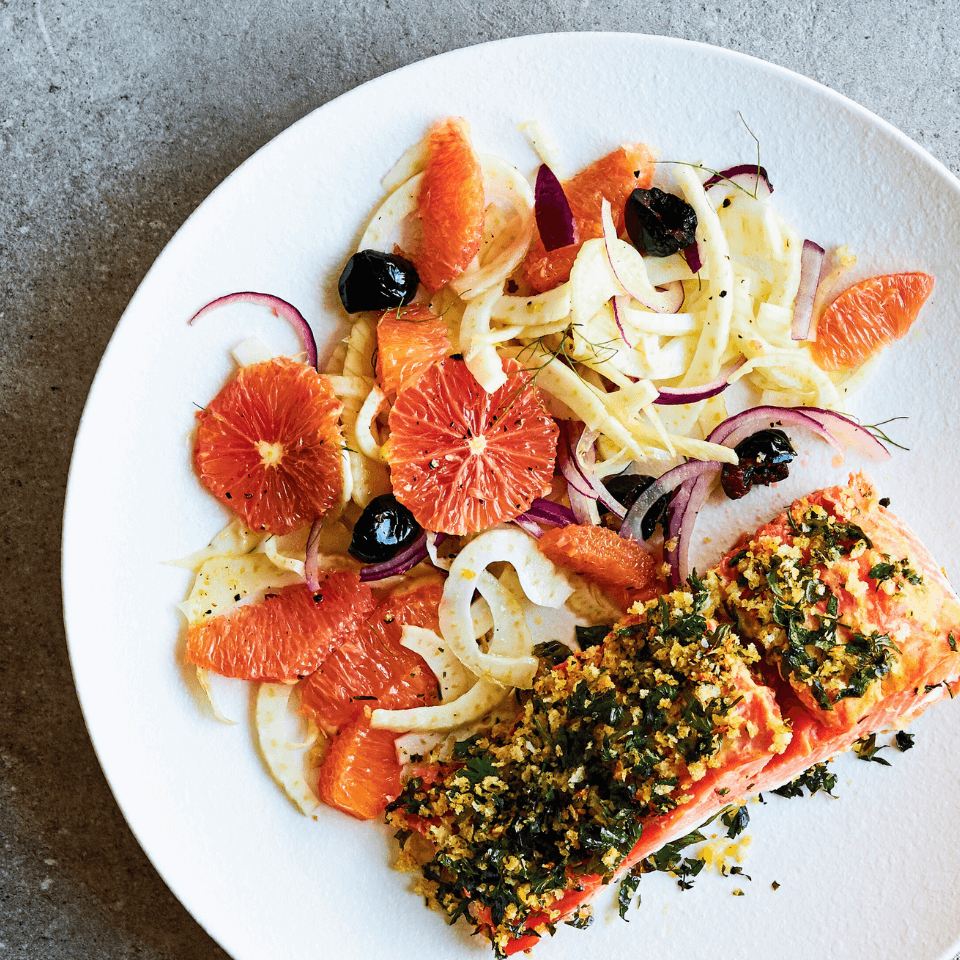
(659, 223)
(764, 457)
(385, 527)
(626, 488)
(377, 281)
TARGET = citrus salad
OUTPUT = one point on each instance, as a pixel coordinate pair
(527, 416)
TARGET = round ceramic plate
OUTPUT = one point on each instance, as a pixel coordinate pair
(869, 875)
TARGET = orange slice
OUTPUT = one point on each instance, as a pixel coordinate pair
(285, 636)
(450, 204)
(868, 316)
(409, 340)
(461, 459)
(268, 445)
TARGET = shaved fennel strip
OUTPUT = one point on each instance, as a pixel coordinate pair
(501, 179)
(366, 424)
(716, 325)
(284, 762)
(479, 353)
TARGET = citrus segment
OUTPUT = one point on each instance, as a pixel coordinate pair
(613, 177)
(461, 459)
(283, 637)
(360, 774)
(408, 341)
(620, 566)
(450, 204)
(868, 316)
(268, 445)
(371, 668)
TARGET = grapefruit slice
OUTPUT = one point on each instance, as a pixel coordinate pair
(462, 459)
(285, 636)
(613, 177)
(408, 341)
(360, 774)
(450, 204)
(621, 567)
(371, 668)
(868, 316)
(268, 445)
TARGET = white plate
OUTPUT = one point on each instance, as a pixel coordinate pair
(871, 875)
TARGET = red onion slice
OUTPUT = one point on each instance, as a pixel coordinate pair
(692, 497)
(673, 296)
(748, 176)
(694, 478)
(671, 396)
(550, 513)
(585, 460)
(280, 307)
(528, 525)
(552, 211)
(618, 305)
(849, 432)
(575, 482)
(811, 269)
(686, 472)
(405, 560)
(747, 423)
(580, 505)
(692, 255)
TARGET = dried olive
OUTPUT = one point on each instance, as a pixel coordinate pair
(764, 457)
(377, 281)
(385, 527)
(626, 488)
(659, 223)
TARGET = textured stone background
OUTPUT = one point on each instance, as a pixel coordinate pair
(117, 117)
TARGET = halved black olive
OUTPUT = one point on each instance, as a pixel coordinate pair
(764, 457)
(377, 281)
(385, 527)
(659, 223)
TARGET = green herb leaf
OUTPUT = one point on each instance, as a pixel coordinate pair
(628, 887)
(591, 636)
(866, 749)
(903, 740)
(735, 819)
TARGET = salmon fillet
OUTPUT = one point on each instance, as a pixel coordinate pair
(827, 624)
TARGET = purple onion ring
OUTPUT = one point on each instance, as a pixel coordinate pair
(280, 307)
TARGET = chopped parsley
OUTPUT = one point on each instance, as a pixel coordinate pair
(783, 587)
(903, 740)
(628, 887)
(735, 819)
(815, 779)
(866, 749)
(894, 570)
(598, 746)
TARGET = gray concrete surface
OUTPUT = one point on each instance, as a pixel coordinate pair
(117, 117)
